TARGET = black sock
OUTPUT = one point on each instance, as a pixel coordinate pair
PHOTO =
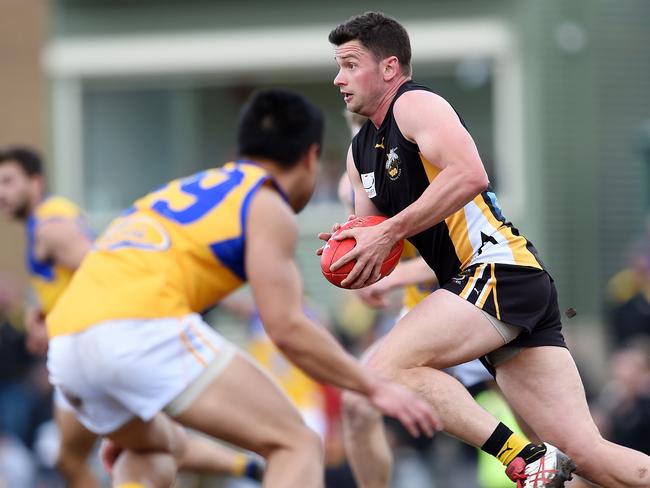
(496, 441)
(532, 452)
(505, 445)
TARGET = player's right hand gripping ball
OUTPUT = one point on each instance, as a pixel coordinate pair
(334, 250)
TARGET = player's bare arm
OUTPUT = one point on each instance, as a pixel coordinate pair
(63, 241)
(277, 289)
(429, 121)
(409, 272)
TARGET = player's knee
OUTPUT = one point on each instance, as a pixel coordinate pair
(383, 366)
(585, 453)
(164, 472)
(309, 445)
(311, 441)
(147, 468)
(178, 442)
(305, 438)
(297, 438)
(69, 464)
(357, 410)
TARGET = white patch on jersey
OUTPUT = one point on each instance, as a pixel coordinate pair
(490, 253)
(368, 181)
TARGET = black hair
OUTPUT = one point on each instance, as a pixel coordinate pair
(29, 160)
(279, 125)
(383, 36)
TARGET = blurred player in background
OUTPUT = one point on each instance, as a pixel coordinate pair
(415, 162)
(58, 238)
(130, 352)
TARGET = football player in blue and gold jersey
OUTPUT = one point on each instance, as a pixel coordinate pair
(130, 352)
(58, 239)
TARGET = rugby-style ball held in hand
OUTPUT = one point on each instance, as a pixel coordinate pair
(334, 250)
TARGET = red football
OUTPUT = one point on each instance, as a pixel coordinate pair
(334, 250)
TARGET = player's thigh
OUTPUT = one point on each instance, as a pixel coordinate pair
(75, 438)
(441, 331)
(244, 406)
(542, 384)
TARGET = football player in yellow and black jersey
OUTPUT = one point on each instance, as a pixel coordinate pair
(417, 281)
(58, 238)
(130, 352)
(415, 162)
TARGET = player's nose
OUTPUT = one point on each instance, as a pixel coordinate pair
(338, 79)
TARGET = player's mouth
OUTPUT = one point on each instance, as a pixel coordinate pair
(346, 97)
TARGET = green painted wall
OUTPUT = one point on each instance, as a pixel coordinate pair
(586, 77)
(584, 115)
(92, 17)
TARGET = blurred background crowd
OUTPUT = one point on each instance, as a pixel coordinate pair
(123, 95)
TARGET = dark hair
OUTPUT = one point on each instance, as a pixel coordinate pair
(383, 36)
(279, 125)
(29, 160)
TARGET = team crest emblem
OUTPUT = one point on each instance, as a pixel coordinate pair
(393, 164)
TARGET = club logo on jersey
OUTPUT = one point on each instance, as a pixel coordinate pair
(139, 232)
(393, 164)
(368, 181)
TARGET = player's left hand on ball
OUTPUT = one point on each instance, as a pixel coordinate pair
(398, 401)
(109, 451)
(325, 236)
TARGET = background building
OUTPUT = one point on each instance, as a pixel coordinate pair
(124, 95)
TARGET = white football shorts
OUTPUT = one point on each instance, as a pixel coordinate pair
(121, 369)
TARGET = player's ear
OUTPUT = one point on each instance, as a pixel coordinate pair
(390, 67)
(312, 156)
(37, 182)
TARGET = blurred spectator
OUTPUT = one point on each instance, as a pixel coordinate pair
(624, 403)
(24, 397)
(23, 403)
(629, 297)
(17, 468)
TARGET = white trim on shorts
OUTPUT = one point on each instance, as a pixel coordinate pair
(121, 369)
(185, 398)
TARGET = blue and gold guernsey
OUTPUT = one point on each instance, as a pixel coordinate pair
(48, 279)
(176, 251)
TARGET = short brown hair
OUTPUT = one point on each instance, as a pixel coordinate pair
(383, 36)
